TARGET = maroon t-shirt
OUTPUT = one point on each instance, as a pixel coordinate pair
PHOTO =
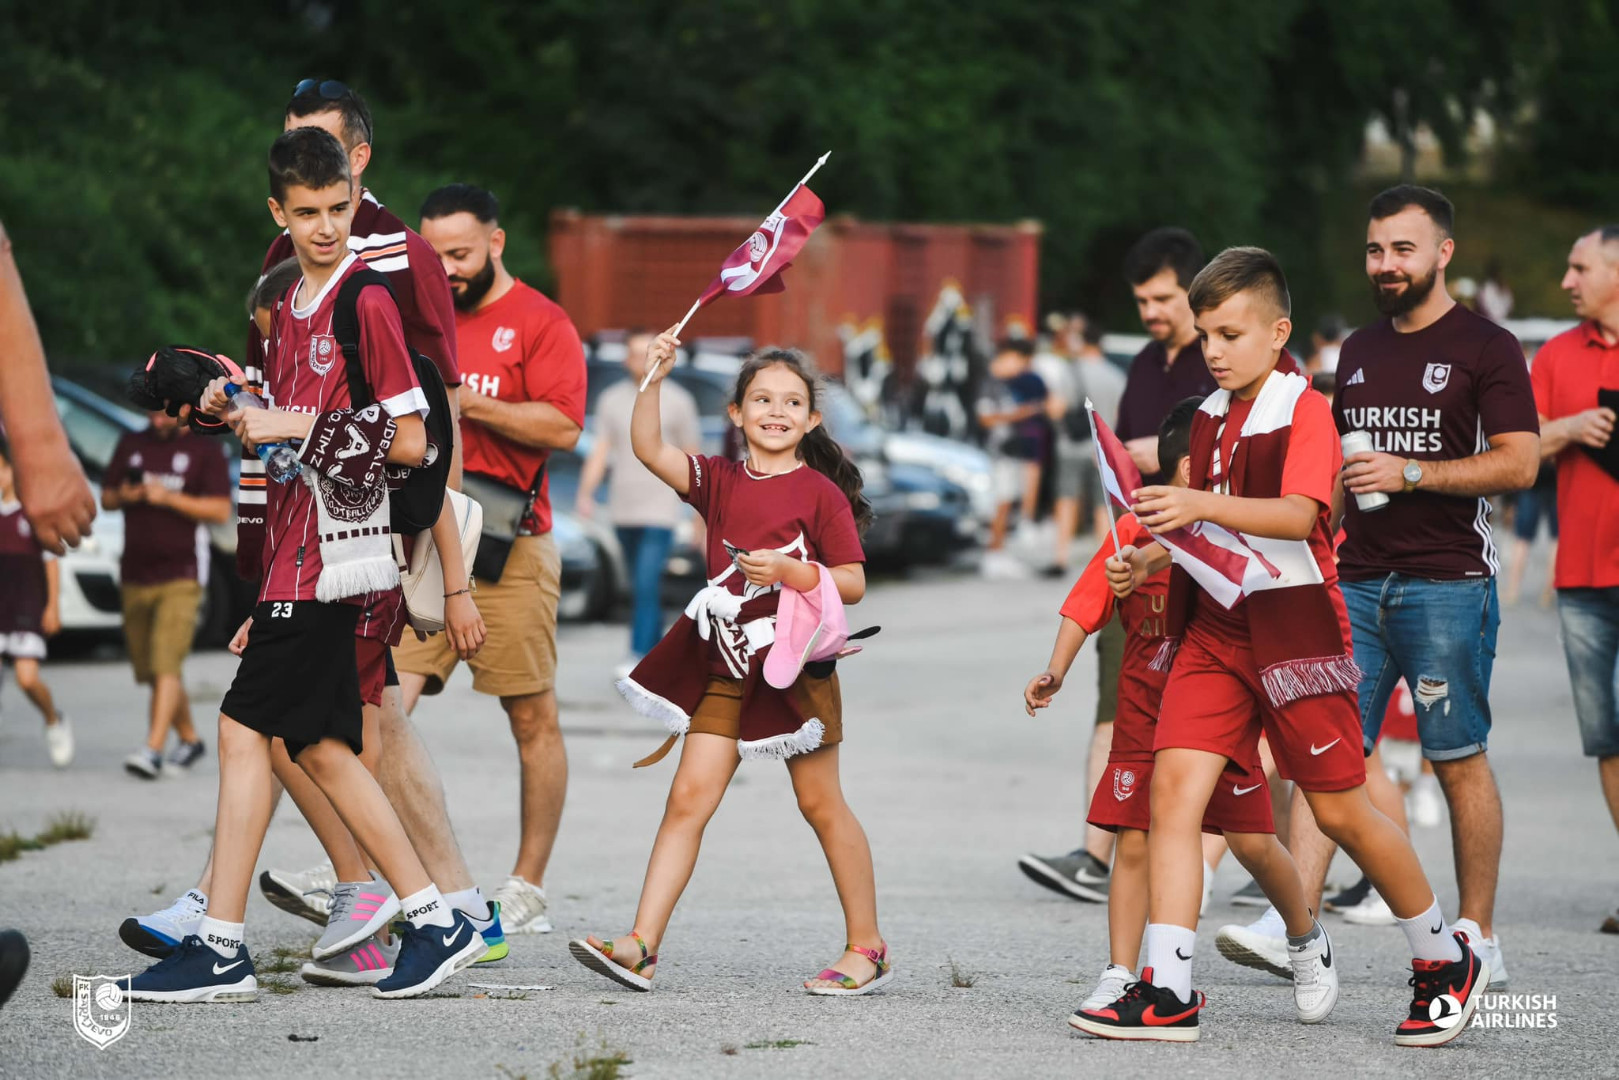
(22, 574)
(1154, 386)
(1436, 394)
(801, 513)
(161, 544)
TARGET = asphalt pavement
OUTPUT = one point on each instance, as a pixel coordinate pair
(952, 781)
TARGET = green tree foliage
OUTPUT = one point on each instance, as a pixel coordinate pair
(132, 136)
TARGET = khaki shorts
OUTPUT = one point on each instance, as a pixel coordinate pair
(159, 623)
(720, 710)
(519, 655)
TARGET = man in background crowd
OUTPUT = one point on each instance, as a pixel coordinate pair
(170, 485)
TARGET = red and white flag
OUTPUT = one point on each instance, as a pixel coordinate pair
(757, 265)
(1219, 560)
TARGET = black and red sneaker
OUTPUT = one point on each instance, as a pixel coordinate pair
(1444, 996)
(1143, 1011)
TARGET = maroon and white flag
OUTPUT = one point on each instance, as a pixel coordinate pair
(1219, 560)
(757, 265)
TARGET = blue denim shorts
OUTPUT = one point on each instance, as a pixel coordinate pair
(1590, 619)
(1440, 637)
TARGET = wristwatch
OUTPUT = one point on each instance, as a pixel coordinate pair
(1413, 476)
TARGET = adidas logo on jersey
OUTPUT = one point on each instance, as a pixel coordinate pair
(1358, 378)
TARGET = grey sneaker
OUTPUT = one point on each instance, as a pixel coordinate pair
(186, 754)
(306, 894)
(144, 763)
(359, 909)
(366, 964)
(523, 907)
(1250, 895)
(1078, 874)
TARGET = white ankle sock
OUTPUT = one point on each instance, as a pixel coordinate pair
(225, 938)
(1169, 954)
(1430, 938)
(427, 908)
(469, 902)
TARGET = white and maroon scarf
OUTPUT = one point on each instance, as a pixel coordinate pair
(1299, 644)
(344, 465)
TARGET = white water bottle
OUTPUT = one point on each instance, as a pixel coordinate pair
(1360, 442)
(281, 462)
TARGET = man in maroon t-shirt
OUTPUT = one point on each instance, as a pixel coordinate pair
(1445, 396)
(169, 484)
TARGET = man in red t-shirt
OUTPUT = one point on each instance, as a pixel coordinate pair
(169, 484)
(524, 372)
(1576, 380)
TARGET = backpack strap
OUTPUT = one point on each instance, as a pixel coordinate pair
(346, 329)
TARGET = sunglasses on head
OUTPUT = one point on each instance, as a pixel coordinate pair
(328, 89)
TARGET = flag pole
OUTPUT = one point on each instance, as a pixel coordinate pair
(681, 325)
(1107, 500)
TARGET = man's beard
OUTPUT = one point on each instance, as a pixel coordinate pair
(1394, 304)
(477, 287)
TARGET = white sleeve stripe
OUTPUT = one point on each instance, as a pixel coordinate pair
(360, 243)
(412, 401)
(390, 265)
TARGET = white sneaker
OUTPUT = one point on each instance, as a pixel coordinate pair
(306, 894)
(1488, 950)
(1261, 944)
(59, 741)
(144, 764)
(1002, 566)
(1208, 890)
(1425, 805)
(161, 932)
(522, 907)
(1372, 911)
(1315, 978)
(1111, 987)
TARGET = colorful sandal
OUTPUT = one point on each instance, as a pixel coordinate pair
(600, 961)
(850, 988)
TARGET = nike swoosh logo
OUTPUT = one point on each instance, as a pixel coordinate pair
(1438, 929)
(1316, 751)
(1150, 1017)
(1178, 953)
(221, 970)
(1326, 957)
(449, 939)
(1235, 790)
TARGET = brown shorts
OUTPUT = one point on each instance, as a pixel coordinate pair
(159, 623)
(720, 710)
(519, 611)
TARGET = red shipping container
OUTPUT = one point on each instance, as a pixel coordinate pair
(615, 272)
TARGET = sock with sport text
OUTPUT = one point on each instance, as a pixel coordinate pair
(1169, 954)
(427, 908)
(1430, 938)
(469, 902)
(225, 938)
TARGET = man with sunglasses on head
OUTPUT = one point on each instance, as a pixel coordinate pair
(406, 772)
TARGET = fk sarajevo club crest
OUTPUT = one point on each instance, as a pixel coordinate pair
(100, 1010)
(1434, 377)
(322, 353)
(1124, 783)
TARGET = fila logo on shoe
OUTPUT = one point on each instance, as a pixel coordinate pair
(1239, 791)
(414, 913)
(1317, 751)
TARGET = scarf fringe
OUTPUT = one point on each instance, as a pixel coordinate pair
(1291, 680)
(782, 747)
(671, 716)
(1165, 655)
(378, 573)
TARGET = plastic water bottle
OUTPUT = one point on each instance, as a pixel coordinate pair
(281, 462)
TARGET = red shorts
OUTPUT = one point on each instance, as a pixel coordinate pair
(1400, 718)
(1240, 804)
(376, 669)
(1214, 701)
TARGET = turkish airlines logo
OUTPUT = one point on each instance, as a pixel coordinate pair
(1435, 377)
(503, 339)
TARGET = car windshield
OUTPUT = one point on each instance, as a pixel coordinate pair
(92, 436)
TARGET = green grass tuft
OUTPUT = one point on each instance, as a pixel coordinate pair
(777, 1044)
(599, 1063)
(62, 986)
(960, 979)
(65, 826)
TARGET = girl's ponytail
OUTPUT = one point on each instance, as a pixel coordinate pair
(818, 450)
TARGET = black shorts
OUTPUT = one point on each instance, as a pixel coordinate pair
(298, 681)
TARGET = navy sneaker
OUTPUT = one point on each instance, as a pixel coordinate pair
(430, 954)
(186, 754)
(13, 961)
(1144, 1011)
(193, 973)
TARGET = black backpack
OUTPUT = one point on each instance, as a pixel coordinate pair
(416, 505)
